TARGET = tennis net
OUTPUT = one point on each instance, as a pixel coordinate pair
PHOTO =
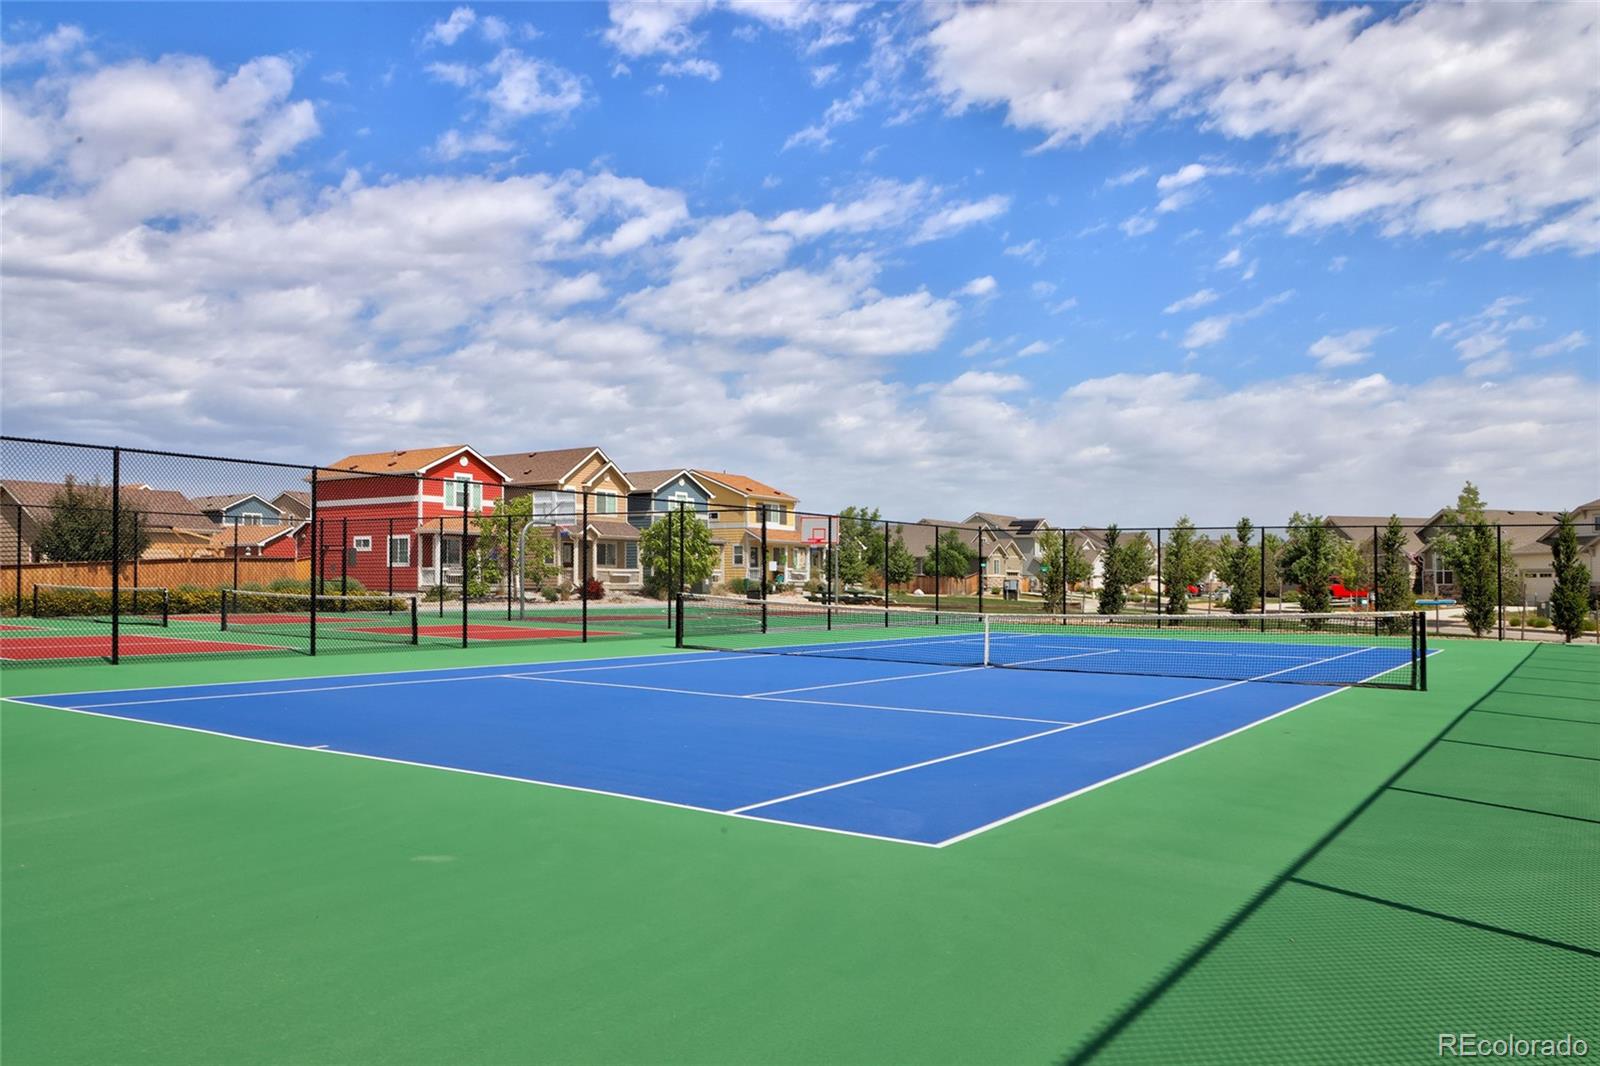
(1378, 649)
(386, 619)
(146, 605)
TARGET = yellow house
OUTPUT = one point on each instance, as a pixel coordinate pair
(735, 512)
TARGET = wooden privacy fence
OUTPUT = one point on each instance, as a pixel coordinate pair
(155, 573)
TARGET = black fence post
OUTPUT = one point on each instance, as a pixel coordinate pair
(344, 556)
(510, 561)
(438, 565)
(1372, 580)
(466, 496)
(982, 570)
(236, 553)
(116, 554)
(938, 574)
(763, 567)
(886, 573)
(1422, 649)
(583, 584)
(1499, 582)
(831, 584)
(316, 554)
(1263, 579)
(1159, 577)
(1063, 573)
(681, 517)
(136, 553)
(19, 562)
(388, 560)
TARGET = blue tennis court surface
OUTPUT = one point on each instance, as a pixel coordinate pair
(906, 752)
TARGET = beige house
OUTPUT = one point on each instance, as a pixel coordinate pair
(1522, 538)
(171, 525)
(738, 508)
(563, 482)
(1586, 517)
(1358, 530)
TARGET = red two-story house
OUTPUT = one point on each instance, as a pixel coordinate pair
(394, 520)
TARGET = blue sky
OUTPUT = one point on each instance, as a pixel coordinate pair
(1099, 263)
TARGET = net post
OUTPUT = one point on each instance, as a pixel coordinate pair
(1422, 650)
(316, 557)
(1063, 577)
(1499, 582)
(466, 499)
(683, 551)
(938, 574)
(235, 554)
(438, 565)
(583, 583)
(886, 573)
(763, 512)
(1372, 580)
(511, 557)
(388, 561)
(116, 554)
(166, 608)
(1158, 577)
(677, 628)
(135, 562)
(987, 623)
(830, 593)
(222, 609)
(36, 599)
(1263, 553)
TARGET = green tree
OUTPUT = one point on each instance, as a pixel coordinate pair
(79, 527)
(860, 544)
(1467, 546)
(902, 564)
(1392, 588)
(952, 556)
(1126, 563)
(1569, 600)
(1068, 566)
(1240, 566)
(498, 534)
(1185, 562)
(667, 569)
(1307, 561)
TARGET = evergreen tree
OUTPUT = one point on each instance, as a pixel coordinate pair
(1467, 547)
(1113, 593)
(1569, 601)
(860, 544)
(1241, 568)
(1392, 587)
(953, 556)
(1185, 563)
(1307, 561)
(1067, 566)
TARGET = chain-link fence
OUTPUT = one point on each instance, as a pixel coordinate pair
(128, 553)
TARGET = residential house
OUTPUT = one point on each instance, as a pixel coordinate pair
(566, 483)
(286, 540)
(656, 492)
(999, 557)
(171, 526)
(738, 509)
(241, 509)
(1522, 539)
(292, 504)
(1586, 517)
(400, 519)
(1359, 529)
(1024, 534)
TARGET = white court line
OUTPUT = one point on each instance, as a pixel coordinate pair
(959, 837)
(1058, 658)
(868, 681)
(323, 750)
(761, 698)
(1019, 740)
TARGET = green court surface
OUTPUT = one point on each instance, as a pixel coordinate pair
(1338, 884)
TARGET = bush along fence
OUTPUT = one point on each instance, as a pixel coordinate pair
(440, 548)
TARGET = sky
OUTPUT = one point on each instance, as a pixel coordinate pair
(1096, 263)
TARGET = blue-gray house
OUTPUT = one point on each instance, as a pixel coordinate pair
(240, 510)
(658, 491)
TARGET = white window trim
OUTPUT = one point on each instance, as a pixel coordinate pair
(404, 541)
(361, 544)
(474, 493)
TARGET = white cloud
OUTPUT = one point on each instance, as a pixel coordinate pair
(977, 347)
(1337, 263)
(1028, 250)
(1062, 305)
(453, 144)
(641, 29)
(1441, 118)
(1344, 349)
(1127, 177)
(1190, 302)
(529, 86)
(448, 31)
(822, 75)
(59, 44)
(1231, 259)
(983, 382)
(1042, 289)
(1569, 343)
(980, 287)
(691, 68)
(1483, 340)
(1213, 330)
(460, 75)
(1030, 350)
(1137, 225)
(956, 217)
(880, 204)
(1182, 177)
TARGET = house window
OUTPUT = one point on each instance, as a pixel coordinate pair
(630, 555)
(605, 503)
(399, 551)
(463, 492)
(716, 517)
(252, 520)
(738, 555)
(566, 555)
(605, 553)
(452, 551)
(361, 544)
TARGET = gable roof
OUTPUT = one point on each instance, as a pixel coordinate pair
(253, 536)
(222, 503)
(651, 480)
(301, 498)
(1519, 529)
(1359, 528)
(549, 467)
(406, 461)
(160, 508)
(743, 484)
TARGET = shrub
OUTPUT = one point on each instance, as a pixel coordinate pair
(738, 586)
(550, 595)
(593, 590)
